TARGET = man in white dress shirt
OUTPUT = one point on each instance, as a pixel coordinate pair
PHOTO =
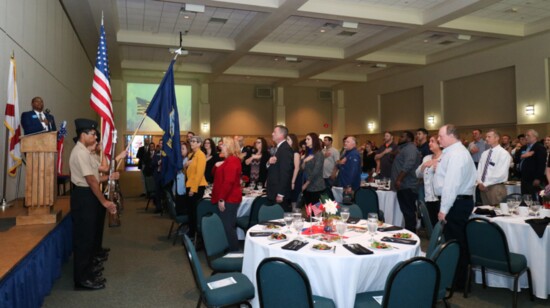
(492, 170)
(455, 182)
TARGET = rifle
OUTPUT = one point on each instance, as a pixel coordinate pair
(113, 190)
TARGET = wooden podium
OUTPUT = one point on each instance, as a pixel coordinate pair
(40, 179)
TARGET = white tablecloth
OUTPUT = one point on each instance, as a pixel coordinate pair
(244, 210)
(338, 276)
(387, 201)
(523, 239)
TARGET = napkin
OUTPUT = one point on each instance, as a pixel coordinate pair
(353, 220)
(294, 245)
(539, 225)
(277, 223)
(398, 240)
(487, 212)
(257, 234)
(357, 249)
(390, 228)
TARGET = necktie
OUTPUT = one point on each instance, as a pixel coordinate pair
(484, 174)
(41, 117)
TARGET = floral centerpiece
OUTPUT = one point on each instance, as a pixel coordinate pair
(328, 210)
(545, 197)
(244, 180)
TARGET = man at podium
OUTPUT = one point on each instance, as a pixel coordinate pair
(37, 120)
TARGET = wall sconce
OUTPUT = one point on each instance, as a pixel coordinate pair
(370, 125)
(431, 119)
(205, 126)
(530, 110)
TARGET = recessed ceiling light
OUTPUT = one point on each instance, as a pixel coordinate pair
(186, 16)
(276, 59)
(426, 41)
(322, 30)
(512, 10)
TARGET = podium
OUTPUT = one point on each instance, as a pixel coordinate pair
(40, 179)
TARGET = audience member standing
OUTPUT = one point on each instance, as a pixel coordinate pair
(314, 185)
(157, 167)
(196, 183)
(331, 157)
(141, 155)
(422, 142)
(258, 161)
(212, 158)
(532, 164)
(455, 181)
(404, 178)
(384, 156)
(426, 172)
(369, 164)
(477, 146)
(492, 170)
(227, 192)
(297, 178)
(349, 174)
(280, 167)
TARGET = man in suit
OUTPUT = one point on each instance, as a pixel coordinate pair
(532, 164)
(279, 169)
(142, 154)
(37, 120)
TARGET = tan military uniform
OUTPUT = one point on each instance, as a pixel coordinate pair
(82, 163)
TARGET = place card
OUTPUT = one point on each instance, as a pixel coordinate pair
(221, 283)
(353, 220)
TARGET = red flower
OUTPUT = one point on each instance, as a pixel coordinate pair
(245, 179)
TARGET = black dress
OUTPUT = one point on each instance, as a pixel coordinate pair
(368, 161)
(208, 175)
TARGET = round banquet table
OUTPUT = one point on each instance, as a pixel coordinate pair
(337, 275)
(522, 239)
(387, 202)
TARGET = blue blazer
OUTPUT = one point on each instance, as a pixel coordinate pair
(31, 123)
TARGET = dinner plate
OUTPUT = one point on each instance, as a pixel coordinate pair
(272, 227)
(403, 235)
(385, 246)
(329, 248)
(276, 239)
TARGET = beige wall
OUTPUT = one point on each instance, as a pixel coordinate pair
(402, 110)
(50, 63)
(305, 113)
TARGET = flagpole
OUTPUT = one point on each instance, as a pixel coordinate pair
(3, 203)
(133, 136)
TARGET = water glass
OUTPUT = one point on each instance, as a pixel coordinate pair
(534, 208)
(288, 221)
(341, 227)
(260, 186)
(528, 199)
(298, 225)
(344, 213)
(372, 224)
(252, 186)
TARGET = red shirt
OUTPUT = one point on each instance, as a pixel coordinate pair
(227, 181)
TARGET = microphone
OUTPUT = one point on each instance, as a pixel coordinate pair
(47, 111)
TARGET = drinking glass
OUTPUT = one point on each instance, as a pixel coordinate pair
(252, 186)
(260, 186)
(516, 200)
(298, 225)
(297, 214)
(288, 221)
(341, 227)
(372, 224)
(344, 213)
(528, 199)
(535, 207)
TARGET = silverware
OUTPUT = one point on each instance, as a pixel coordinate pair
(334, 249)
(279, 242)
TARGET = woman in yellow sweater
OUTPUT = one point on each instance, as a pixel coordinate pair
(195, 181)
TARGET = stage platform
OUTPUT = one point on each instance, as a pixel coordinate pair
(31, 256)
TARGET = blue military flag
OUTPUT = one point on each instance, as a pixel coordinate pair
(164, 111)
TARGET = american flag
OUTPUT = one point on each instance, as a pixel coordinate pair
(100, 99)
(60, 138)
(12, 121)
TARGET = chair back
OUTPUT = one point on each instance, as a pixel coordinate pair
(412, 282)
(203, 208)
(446, 257)
(436, 239)
(282, 283)
(170, 204)
(487, 245)
(255, 209)
(354, 210)
(367, 200)
(270, 212)
(213, 235)
(426, 218)
(194, 263)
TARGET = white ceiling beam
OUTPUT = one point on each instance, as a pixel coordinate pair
(452, 9)
(538, 26)
(161, 66)
(171, 40)
(341, 76)
(262, 71)
(273, 48)
(482, 25)
(464, 49)
(394, 57)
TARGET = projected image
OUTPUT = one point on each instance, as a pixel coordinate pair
(138, 96)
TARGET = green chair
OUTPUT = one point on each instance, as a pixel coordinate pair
(245, 222)
(216, 246)
(354, 210)
(282, 283)
(234, 294)
(426, 218)
(181, 220)
(488, 248)
(446, 257)
(367, 200)
(270, 212)
(436, 239)
(412, 283)
(204, 207)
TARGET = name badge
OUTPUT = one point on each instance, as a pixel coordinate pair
(34, 116)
